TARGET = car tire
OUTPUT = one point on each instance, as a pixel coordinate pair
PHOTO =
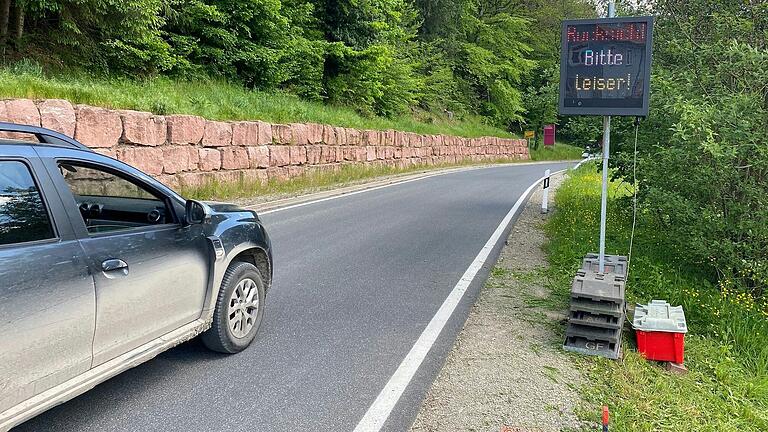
(236, 320)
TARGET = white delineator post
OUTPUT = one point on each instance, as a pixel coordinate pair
(606, 153)
(545, 198)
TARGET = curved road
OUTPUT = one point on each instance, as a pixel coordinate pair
(357, 279)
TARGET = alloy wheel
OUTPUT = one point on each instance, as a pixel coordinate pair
(243, 308)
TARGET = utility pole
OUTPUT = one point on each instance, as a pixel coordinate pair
(606, 152)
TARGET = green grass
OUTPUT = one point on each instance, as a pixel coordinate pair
(559, 151)
(216, 100)
(311, 182)
(726, 350)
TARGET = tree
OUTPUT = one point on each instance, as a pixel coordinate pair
(703, 152)
(493, 59)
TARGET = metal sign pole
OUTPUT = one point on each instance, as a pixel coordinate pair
(606, 153)
(604, 197)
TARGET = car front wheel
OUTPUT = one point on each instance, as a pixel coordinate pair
(239, 310)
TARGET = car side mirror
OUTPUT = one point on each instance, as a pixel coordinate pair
(196, 212)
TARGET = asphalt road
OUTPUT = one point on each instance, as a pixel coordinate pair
(357, 279)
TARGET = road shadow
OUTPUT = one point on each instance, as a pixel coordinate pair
(105, 399)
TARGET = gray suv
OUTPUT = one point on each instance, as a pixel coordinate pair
(102, 268)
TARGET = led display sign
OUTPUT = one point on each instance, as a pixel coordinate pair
(605, 66)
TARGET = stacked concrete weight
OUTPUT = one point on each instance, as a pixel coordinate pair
(597, 308)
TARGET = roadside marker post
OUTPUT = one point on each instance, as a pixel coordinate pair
(545, 198)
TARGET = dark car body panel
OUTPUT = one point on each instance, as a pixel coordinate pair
(69, 316)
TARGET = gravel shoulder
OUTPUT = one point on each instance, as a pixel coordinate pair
(507, 367)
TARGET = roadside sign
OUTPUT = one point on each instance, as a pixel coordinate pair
(605, 66)
(549, 135)
(529, 134)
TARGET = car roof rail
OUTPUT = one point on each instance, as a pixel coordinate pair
(45, 136)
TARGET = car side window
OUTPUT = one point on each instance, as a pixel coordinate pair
(110, 202)
(23, 217)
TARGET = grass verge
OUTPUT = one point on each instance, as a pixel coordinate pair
(216, 100)
(726, 388)
(312, 182)
(559, 151)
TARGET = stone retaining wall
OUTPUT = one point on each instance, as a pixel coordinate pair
(190, 150)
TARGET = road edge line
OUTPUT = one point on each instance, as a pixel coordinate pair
(378, 413)
(394, 182)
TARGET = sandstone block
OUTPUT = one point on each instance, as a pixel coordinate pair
(194, 179)
(279, 156)
(265, 133)
(328, 153)
(353, 136)
(298, 154)
(185, 129)
(98, 127)
(388, 137)
(226, 177)
(295, 171)
(169, 180)
(341, 135)
(329, 135)
(348, 154)
(58, 115)
(277, 173)
(217, 134)
(415, 140)
(370, 153)
(143, 128)
(257, 176)
(371, 138)
(299, 133)
(22, 111)
(234, 157)
(281, 134)
(108, 152)
(314, 133)
(178, 159)
(245, 133)
(146, 159)
(258, 156)
(314, 154)
(210, 159)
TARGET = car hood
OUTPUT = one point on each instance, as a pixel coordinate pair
(231, 210)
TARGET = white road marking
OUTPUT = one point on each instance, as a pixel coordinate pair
(395, 183)
(379, 411)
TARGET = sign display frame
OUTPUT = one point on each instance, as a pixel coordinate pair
(594, 107)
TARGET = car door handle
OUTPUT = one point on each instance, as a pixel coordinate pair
(114, 267)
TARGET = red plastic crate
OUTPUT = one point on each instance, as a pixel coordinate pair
(661, 346)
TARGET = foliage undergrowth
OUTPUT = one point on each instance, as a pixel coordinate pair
(217, 100)
(559, 151)
(386, 58)
(726, 388)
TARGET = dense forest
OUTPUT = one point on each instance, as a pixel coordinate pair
(702, 153)
(381, 57)
(703, 150)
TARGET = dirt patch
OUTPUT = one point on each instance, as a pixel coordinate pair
(507, 367)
